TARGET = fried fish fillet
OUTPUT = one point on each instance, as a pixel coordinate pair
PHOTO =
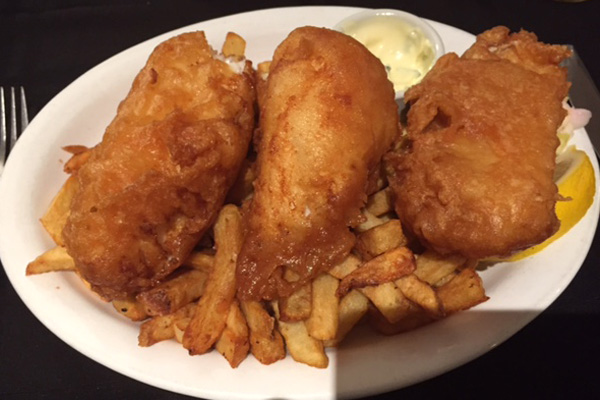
(327, 116)
(476, 175)
(154, 184)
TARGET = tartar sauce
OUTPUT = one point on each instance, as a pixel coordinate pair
(404, 49)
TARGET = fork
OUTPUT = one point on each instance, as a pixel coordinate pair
(7, 142)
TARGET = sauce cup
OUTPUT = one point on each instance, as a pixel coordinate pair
(407, 45)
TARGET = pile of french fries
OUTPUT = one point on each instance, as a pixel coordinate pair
(382, 282)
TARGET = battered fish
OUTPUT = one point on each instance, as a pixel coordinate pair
(476, 175)
(154, 184)
(327, 116)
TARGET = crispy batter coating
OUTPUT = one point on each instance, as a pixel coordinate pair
(327, 116)
(476, 175)
(154, 184)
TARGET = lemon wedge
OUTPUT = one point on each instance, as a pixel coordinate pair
(576, 182)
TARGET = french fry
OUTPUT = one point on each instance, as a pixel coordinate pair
(55, 259)
(387, 267)
(432, 267)
(234, 46)
(156, 330)
(389, 300)
(75, 149)
(55, 218)
(170, 295)
(421, 293)
(380, 202)
(211, 313)
(353, 307)
(302, 347)
(262, 73)
(161, 327)
(323, 321)
(130, 308)
(234, 341)
(370, 221)
(414, 317)
(200, 260)
(380, 239)
(297, 306)
(179, 328)
(386, 297)
(80, 157)
(462, 292)
(266, 342)
(263, 68)
(445, 279)
(342, 269)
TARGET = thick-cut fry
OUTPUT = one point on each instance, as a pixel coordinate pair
(55, 218)
(380, 202)
(389, 300)
(213, 307)
(432, 267)
(55, 259)
(162, 328)
(302, 347)
(234, 46)
(464, 291)
(234, 341)
(130, 308)
(445, 279)
(263, 67)
(75, 149)
(172, 294)
(387, 267)
(323, 321)
(266, 343)
(262, 73)
(156, 330)
(200, 260)
(297, 307)
(80, 157)
(420, 293)
(380, 239)
(345, 267)
(353, 307)
(179, 327)
(386, 297)
(370, 221)
(414, 317)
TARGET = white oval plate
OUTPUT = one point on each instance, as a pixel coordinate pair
(366, 364)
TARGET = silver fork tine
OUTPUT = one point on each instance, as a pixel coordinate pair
(24, 116)
(13, 118)
(7, 143)
(2, 130)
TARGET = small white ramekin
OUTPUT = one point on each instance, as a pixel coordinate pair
(410, 19)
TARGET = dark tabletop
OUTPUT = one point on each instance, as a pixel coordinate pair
(45, 45)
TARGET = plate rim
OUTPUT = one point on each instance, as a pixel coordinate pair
(325, 394)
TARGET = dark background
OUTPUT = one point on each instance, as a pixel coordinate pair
(45, 45)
